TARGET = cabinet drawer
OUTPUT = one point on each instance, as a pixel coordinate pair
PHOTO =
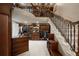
(19, 50)
(19, 40)
(16, 45)
(20, 45)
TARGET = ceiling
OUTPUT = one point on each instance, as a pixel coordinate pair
(29, 5)
(69, 11)
(22, 16)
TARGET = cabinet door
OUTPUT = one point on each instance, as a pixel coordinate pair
(4, 44)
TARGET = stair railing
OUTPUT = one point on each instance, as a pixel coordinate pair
(70, 30)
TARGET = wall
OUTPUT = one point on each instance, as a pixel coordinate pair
(69, 11)
(15, 29)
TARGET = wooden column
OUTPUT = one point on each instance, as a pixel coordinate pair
(5, 29)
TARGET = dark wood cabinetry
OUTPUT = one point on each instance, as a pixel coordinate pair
(4, 35)
(5, 29)
(44, 27)
(43, 30)
(20, 45)
(35, 36)
(52, 46)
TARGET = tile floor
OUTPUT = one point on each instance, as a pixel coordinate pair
(36, 48)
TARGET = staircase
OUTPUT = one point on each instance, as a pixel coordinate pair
(63, 47)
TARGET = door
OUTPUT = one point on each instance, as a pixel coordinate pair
(4, 44)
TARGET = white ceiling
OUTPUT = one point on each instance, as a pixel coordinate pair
(22, 16)
(69, 11)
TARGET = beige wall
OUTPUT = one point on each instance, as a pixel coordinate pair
(69, 11)
(15, 29)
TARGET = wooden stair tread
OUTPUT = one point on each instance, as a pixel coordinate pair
(56, 53)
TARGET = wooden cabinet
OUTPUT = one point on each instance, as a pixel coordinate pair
(20, 45)
(52, 46)
(3, 34)
(39, 32)
(35, 36)
(5, 29)
(45, 27)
